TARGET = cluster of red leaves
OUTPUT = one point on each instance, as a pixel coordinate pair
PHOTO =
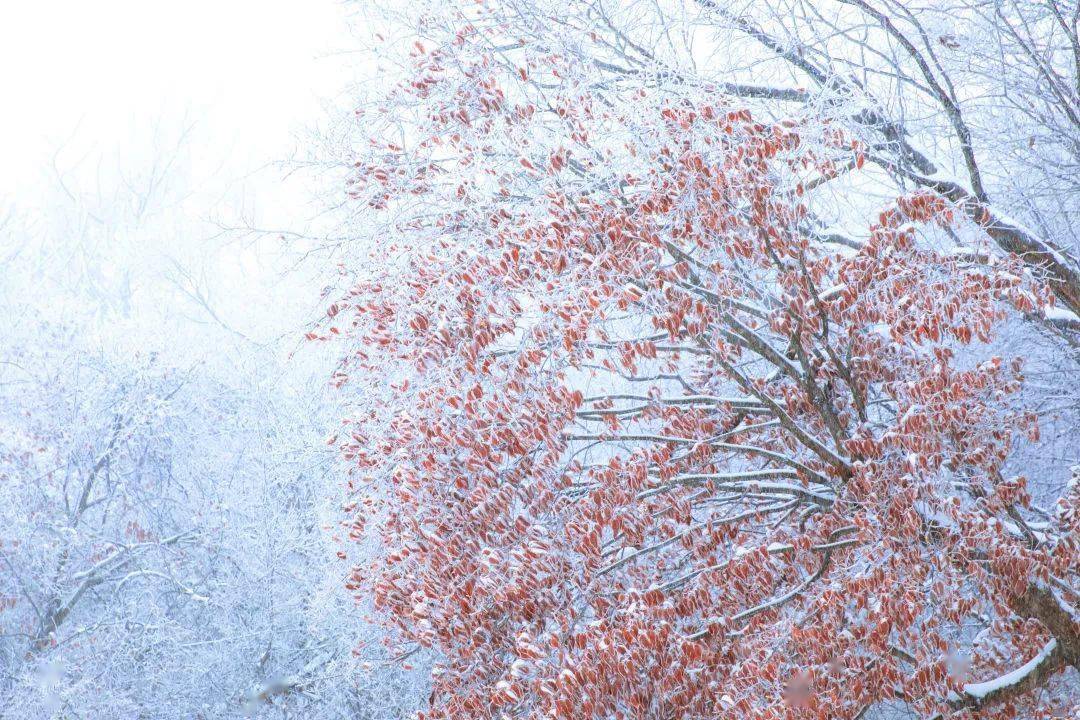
(648, 448)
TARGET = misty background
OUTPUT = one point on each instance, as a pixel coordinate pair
(167, 507)
(184, 117)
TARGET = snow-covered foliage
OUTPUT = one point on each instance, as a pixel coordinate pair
(682, 389)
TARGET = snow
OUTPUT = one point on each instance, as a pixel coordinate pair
(832, 291)
(981, 690)
(1060, 314)
(1006, 219)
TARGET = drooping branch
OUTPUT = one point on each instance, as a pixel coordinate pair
(1025, 678)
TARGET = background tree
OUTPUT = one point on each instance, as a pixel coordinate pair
(165, 486)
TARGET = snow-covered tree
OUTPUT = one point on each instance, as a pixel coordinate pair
(682, 394)
(166, 494)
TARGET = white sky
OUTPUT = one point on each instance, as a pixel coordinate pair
(248, 72)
